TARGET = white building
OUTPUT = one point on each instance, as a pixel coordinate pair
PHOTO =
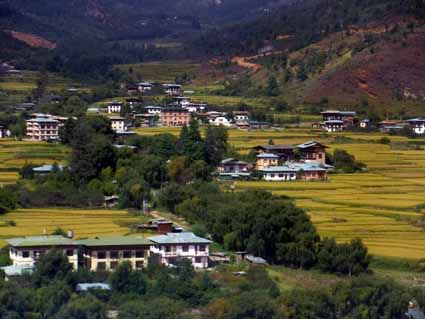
(172, 89)
(294, 171)
(144, 87)
(195, 107)
(334, 126)
(24, 251)
(417, 125)
(114, 107)
(241, 116)
(220, 120)
(153, 109)
(172, 247)
(118, 123)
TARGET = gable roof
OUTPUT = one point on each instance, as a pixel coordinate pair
(275, 147)
(311, 144)
(267, 155)
(179, 238)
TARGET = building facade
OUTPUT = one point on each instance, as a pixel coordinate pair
(118, 123)
(42, 128)
(266, 160)
(294, 171)
(172, 247)
(175, 117)
(25, 251)
(114, 107)
(106, 253)
(417, 125)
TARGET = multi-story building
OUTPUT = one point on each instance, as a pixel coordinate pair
(172, 89)
(241, 116)
(42, 127)
(294, 171)
(114, 107)
(172, 247)
(144, 87)
(106, 253)
(118, 123)
(153, 109)
(24, 251)
(175, 117)
(334, 120)
(266, 160)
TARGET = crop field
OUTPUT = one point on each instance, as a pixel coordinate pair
(381, 206)
(84, 223)
(15, 154)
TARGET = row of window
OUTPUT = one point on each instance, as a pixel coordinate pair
(38, 253)
(115, 254)
(114, 264)
(184, 248)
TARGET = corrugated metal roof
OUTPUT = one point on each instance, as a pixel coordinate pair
(48, 240)
(95, 285)
(179, 238)
(295, 167)
(114, 241)
(17, 270)
(267, 155)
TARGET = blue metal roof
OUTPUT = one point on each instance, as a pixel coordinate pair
(293, 167)
(89, 286)
(17, 270)
(46, 168)
(267, 155)
(179, 238)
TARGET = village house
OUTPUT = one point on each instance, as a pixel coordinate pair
(24, 251)
(266, 160)
(42, 127)
(132, 89)
(257, 125)
(175, 117)
(312, 152)
(181, 100)
(106, 253)
(334, 120)
(195, 107)
(172, 247)
(294, 171)
(118, 123)
(44, 170)
(4, 132)
(284, 152)
(144, 87)
(25, 107)
(417, 125)
(241, 116)
(231, 168)
(133, 101)
(365, 123)
(153, 109)
(220, 120)
(114, 107)
(172, 89)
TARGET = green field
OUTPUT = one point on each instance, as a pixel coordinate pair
(84, 223)
(380, 206)
(14, 154)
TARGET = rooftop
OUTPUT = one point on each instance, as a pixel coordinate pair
(47, 240)
(276, 147)
(179, 238)
(114, 241)
(256, 260)
(95, 285)
(46, 168)
(293, 167)
(17, 270)
(267, 155)
(310, 144)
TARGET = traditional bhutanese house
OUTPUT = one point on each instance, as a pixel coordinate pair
(313, 152)
(144, 87)
(4, 132)
(284, 152)
(132, 89)
(114, 107)
(133, 101)
(151, 109)
(333, 125)
(417, 125)
(175, 117)
(24, 251)
(231, 168)
(172, 247)
(294, 171)
(118, 123)
(241, 116)
(106, 253)
(266, 160)
(195, 107)
(365, 123)
(172, 89)
(256, 125)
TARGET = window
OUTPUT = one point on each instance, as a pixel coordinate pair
(201, 247)
(101, 266)
(139, 264)
(101, 255)
(70, 252)
(113, 254)
(25, 254)
(280, 175)
(114, 264)
(168, 249)
(127, 254)
(185, 248)
(320, 156)
(272, 175)
(140, 253)
(198, 260)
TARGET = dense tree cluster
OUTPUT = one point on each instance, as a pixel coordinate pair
(345, 162)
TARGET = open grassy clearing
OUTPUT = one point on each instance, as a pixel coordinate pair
(84, 223)
(379, 206)
(14, 154)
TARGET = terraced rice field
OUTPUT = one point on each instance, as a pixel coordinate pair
(379, 206)
(14, 154)
(84, 223)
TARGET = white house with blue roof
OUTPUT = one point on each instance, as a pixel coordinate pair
(294, 171)
(172, 247)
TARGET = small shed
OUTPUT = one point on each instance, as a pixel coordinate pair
(256, 261)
